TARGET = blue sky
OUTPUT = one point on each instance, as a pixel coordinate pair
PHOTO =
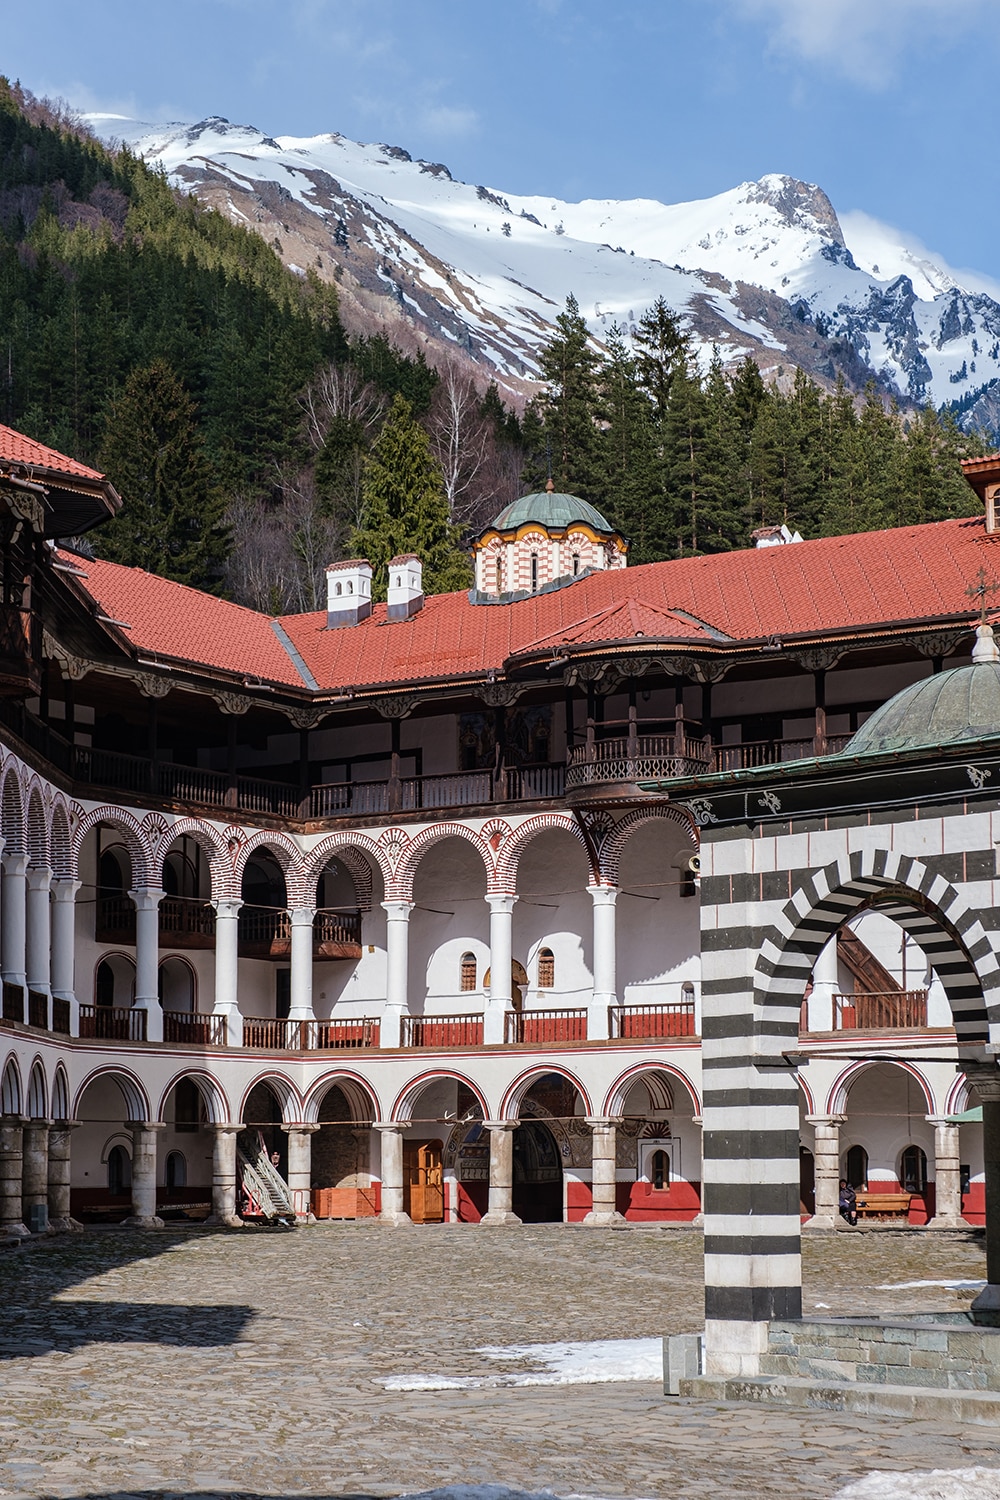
(887, 104)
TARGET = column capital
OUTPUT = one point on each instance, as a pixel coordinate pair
(65, 1124)
(603, 1122)
(603, 895)
(39, 877)
(824, 1119)
(936, 1120)
(147, 897)
(501, 901)
(301, 1127)
(227, 906)
(15, 864)
(501, 1124)
(388, 1125)
(984, 1078)
(301, 916)
(64, 889)
(226, 1129)
(398, 908)
(151, 1125)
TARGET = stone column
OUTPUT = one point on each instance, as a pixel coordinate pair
(604, 898)
(144, 1175)
(11, 1213)
(391, 1173)
(826, 1166)
(35, 1175)
(64, 949)
(604, 1172)
(501, 1172)
(985, 1078)
(60, 1152)
(301, 977)
(397, 969)
(826, 984)
(227, 918)
(13, 916)
(147, 959)
(38, 935)
(224, 1215)
(300, 1169)
(947, 1176)
(501, 958)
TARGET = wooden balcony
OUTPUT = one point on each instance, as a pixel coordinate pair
(13, 1003)
(105, 1023)
(890, 1010)
(442, 1031)
(194, 1028)
(186, 922)
(542, 1026)
(20, 651)
(266, 932)
(638, 1022)
(38, 1010)
(270, 1035)
(637, 757)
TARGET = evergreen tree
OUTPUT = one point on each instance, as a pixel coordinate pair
(634, 499)
(404, 508)
(569, 409)
(171, 518)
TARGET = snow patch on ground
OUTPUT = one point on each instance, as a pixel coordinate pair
(937, 1484)
(585, 1363)
(954, 1286)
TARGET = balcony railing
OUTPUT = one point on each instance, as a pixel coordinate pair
(450, 789)
(60, 1016)
(266, 932)
(638, 757)
(38, 1010)
(541, 1026)
(744, 757)
(194, 1028)
(13, 1002)
(186, 922)
(106, 1023)
(894, 1010)
(442, 1031)
(638, 1022)
(270, 1035)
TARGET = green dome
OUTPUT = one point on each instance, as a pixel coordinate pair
(552, 511)
(962, 704)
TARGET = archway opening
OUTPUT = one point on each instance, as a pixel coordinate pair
(185, 1146)
(177, 986)
(446, 1154)
(262, 1117)
(449, 935)
(552, 927)
(658, 1150)
(551, 1141)
(884, 1139)
(265, 934)
(101, 1162)
(658, 938)
(341, 1160)
(348, 918)
(187, 918)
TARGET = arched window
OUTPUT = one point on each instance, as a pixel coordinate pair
(534, 572)
(104, 988)
(188, 1108)
(913, 1170)
(340, 590)
(350, 588)
(119, 1171)
(659, 1170)
(399, 581)
(856, 1167)
(576, 563)
(546, 969)
(175, 1175)
(467, 973)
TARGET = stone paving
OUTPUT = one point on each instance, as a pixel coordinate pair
(249, 1362)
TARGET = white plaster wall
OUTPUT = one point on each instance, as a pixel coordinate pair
(658, 929)
(554, 911)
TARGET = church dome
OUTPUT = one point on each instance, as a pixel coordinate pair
(961, 704)
(551, 511)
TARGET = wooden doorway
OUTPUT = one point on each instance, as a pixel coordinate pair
(423, 1182)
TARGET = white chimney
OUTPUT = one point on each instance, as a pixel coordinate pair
(348, 592)
(774, 536)
(406, 587)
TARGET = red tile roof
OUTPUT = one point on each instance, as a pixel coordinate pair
(834, 584)
(15, 448)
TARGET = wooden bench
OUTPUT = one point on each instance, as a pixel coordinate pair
(883, 1205)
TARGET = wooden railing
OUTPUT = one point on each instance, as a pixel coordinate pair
(114, 920)
(638, 757)
(336, 1036)
(335, 799)
(194, 1028)
(442, 1031)
(60, 1016)
(745, 756)
(187, 922)
(893, 1010)
(268, 1034)
(535, 783)
(38, 1010)
(13, 1002)
(266, 932)
(540, 1026)
(671, 1018)
(109, 1024)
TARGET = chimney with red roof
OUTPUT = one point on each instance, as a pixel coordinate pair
(348, 592)
(406, 587)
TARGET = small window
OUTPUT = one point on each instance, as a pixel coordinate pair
(659, 1170)
(913, 1170)
(340, 589)
(175, 1175)
(468, 976)
(534, 572)
(576, 563)
(499, 576)
(399, 581)
(119, 1172)
(856, 1167)
(546, 969)
(350, 588)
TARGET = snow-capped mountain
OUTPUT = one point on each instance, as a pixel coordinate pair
(764, 268)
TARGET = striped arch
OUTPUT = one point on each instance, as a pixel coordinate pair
(427, 837)
(60, 1094)
(36, 829)
(285, 851)
(10, 1088)
(657, 1077)
(619, 835)
(36, 1103)
(213, 845)
(133, 1092)
(402, 1109)
(510, 1105)
(60, 842)
(808, 1097)
(357, 852)
(214, 1100)
(837, 1097)
(133, 837)
(285, 1092)
(361, 1097)
(928, 909)
(12, 811)
(509, 855)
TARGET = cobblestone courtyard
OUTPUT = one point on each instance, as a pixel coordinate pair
(251, 1363)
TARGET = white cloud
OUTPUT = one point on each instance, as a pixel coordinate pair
(887, 252)
(863, 39)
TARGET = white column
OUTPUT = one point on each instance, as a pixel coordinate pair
(64, 948)
(604, 898)
(826, 984)
(391, 1173)
(144, 1176)
(826, 1169)
(224, 1212)
(397, 970)
(947, 1176)
(301, 977)
(300, 1169)
(500, 1210)
(147, 959)
(13, 918)
(501, 956)
(698, 1222)
(38, 933)
(604, 1172)
(60, 1152)
(227, 917)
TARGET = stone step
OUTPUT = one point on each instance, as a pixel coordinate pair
(863, 1400)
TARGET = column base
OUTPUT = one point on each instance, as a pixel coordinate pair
(222, 1221)
(501, 1218)
(15, 1232)
(986, 1307)
(601, 1218)
(948, 1221)
(394, 1220)
(821, 1221)
(698, 1222)
(66, 1225)
(152, 1221)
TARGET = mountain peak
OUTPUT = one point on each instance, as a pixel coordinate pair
(801, 205)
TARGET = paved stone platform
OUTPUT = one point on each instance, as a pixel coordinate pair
(188, 1362)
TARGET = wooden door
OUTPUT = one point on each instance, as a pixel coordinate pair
(423, 1182)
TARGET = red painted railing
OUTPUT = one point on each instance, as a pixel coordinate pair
(893, 1010)
(195, 1028)
(672, 1018)
(539, 1026)
(442, 1031)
